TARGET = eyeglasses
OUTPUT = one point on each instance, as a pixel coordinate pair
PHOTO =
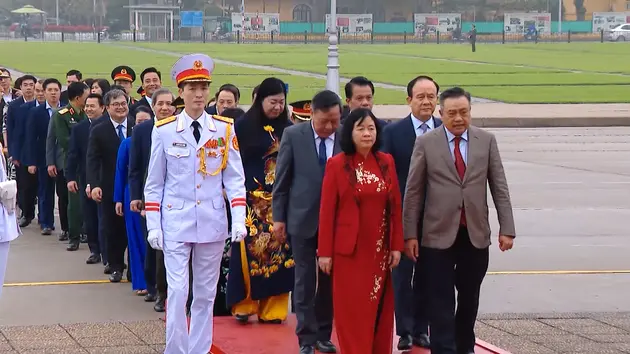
(118, 104)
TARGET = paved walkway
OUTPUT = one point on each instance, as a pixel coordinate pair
(562, 289)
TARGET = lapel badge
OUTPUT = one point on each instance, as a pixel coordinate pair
(221, 142)
(183, 145)
(71, 110)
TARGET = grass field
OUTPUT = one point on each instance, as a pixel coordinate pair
(519, 73)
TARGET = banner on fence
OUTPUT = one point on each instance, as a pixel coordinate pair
(357, 23)
(255, 22)
(432, 23)
(520, 23)
(609, 20)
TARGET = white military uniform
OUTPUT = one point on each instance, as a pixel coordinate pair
(9, 229)
(185, 204)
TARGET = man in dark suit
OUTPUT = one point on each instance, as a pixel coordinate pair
(71, 76)
(359, 94)
(105, 138)
(28, 181)
(76, 176)
(151, 80)
(445, 213)
(15, 115)
(399, 138)
(139, 154)
(35, 154)
(304, 150)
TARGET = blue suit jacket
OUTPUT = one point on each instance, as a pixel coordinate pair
(34, 148)
(77, 152)
(19, 128)
(398, 140)
(14, 113)
(139, 153)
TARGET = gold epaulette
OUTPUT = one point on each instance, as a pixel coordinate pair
(63, 111)
(223, 119)
(165, 121)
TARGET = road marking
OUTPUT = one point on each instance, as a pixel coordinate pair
(67, 282)
(507, 272)
(558, 272)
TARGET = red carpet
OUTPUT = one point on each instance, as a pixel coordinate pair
(233, 338)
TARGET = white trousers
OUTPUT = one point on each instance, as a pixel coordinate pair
(206, 264)
(4, 259)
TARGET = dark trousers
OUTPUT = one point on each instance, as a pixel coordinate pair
(461, 267)
(95, 240)
(62, 192)
(102, 234)
(115, 233)
(27, 191)
(45, 198)
(474, 46)
(410, 298)
(154, 268)
(312, 293)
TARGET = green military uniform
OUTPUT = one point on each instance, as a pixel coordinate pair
(63, 120)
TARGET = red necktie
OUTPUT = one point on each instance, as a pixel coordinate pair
(461, 170)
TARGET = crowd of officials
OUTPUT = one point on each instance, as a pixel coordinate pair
(335, 199)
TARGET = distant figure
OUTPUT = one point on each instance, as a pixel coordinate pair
(472, 35)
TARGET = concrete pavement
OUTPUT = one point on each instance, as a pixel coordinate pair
(562, 289)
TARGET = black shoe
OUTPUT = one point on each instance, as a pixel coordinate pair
(307, 349)
(405, 343)
(269, 321)
(93, 259)
(24, 222)
(325, 347)
(150, 297)
(107, 269)
(160, 304)
(73, 246)
(83, 238)
(115, 277)
(47, 231)
(422, 341)
(64, 236)
(242, 319)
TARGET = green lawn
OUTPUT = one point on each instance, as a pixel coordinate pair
(519, 73)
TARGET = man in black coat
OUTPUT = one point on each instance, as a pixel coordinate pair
(102, 153)
(77, 180)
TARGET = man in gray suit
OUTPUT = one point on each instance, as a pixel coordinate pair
(446, 200)
(300, 166)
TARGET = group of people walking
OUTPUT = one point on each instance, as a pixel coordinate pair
(318, 206)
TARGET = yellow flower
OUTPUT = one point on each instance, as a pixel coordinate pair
(268, 128)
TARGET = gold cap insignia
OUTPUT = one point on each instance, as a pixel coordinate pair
(197, 65)
(307, 107)
(123, 71)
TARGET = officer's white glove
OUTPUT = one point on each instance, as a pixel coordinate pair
(239, 231)
(156, 240)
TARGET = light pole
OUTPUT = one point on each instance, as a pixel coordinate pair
(332, 75)
(57, 11)
(560, 17)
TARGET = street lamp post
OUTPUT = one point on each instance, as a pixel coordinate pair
(332, 75)
(57, 11)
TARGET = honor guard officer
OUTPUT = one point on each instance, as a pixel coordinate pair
(194, 156)
(124, 76)
(141, 92)
(301, 111)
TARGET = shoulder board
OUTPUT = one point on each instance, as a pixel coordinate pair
(63, 111)
(223, 119)
(165, 121)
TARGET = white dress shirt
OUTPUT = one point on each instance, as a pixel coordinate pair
(330, 143)
(124, 124)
